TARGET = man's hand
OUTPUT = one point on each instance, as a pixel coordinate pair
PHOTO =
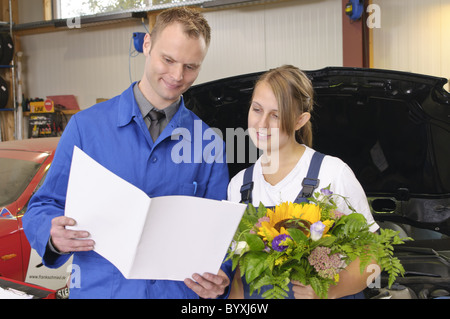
(208, 285)
(65, 240)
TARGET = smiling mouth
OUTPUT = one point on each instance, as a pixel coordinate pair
(263, 136)
(171, 86)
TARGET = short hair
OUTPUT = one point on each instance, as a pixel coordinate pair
(294, 93)
(194, 23)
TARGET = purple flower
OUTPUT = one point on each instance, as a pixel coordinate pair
(324, 195)
(316, 230)
(279, 242)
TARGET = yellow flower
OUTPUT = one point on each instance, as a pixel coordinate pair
(284, 212)
(280, 213)
(310, 212)
(268, 232)
(328, 223)
(280, 260)
(336, 278)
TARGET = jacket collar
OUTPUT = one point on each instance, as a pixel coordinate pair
(128, 110)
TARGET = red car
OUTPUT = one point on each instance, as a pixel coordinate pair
(23, 167)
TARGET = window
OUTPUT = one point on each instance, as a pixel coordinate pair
(68, 8)
(15, 175)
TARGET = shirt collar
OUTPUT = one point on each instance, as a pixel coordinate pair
(129, 108)
(145, 106)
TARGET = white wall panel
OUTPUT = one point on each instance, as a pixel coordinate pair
(237, 43)
(308, 35)
(414, 36)
(305, 33)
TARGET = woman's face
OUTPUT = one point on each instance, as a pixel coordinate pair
(264, 121)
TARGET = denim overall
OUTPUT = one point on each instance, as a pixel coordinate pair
(310, 183)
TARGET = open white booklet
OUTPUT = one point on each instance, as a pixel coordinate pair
(170, 237)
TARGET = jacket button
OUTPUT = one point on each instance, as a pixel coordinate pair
(154, 159)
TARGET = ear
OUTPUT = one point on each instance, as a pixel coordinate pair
(302, 120)
(147, 45)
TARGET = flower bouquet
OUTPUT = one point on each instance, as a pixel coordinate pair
(308, 242)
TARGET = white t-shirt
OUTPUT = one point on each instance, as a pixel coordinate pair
(332, 171)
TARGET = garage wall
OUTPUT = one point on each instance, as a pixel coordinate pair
(414, 36)
(306, 33)
(88, 63)
(94, 63)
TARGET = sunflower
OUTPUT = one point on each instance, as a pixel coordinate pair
(268, 232)
(290, 215)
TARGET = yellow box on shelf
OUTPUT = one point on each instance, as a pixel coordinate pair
(46, 106)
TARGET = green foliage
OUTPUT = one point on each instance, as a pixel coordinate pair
(297, 235)
(254, 242)
(254, 266)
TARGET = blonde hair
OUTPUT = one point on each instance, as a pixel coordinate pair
(193, 22)
(294, 93)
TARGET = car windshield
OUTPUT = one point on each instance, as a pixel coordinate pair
(15, 175)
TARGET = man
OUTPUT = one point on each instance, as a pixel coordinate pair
(115, 134)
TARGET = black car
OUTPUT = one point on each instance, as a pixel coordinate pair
(393, 129)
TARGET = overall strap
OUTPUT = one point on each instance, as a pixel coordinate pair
(310, 182)
(247, 186)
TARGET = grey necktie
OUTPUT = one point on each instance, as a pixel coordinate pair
(155, 117)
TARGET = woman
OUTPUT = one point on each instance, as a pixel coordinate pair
(279, 125)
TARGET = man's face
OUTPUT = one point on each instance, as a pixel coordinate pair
(172, 65)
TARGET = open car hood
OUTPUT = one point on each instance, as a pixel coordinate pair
(392, 128)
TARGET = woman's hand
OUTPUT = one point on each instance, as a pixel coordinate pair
(303, 292)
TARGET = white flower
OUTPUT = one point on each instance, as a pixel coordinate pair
(240, 248)
(325, 196)
(316, 230)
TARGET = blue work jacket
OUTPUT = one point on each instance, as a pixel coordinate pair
(114, 134)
